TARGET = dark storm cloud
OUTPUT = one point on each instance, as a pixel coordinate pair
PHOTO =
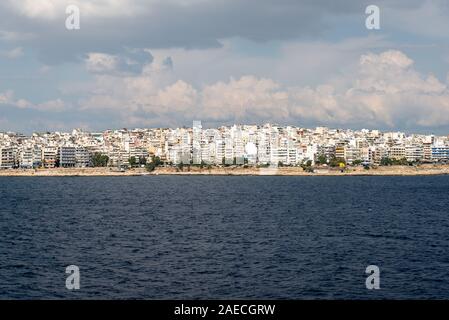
(166, 24)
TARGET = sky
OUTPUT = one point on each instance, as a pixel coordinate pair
(165, 63)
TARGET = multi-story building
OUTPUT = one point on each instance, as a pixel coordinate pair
(397, 152)
(352, 154)
(414, 152)
(49, 156)
(427, 151)
(340, 151)
(66, 157)
(7, 158)
(82, 157)
(27, 157)
(440, 153)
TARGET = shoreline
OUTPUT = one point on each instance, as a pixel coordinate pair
(422, 170)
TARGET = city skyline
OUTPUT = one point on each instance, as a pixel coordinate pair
(250, 145)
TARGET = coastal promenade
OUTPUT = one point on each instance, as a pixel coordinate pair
(425, 169)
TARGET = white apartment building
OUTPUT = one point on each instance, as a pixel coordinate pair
(414, 152)
(49, 156)
(397, 152)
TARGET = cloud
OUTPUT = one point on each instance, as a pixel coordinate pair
(164, 24)
(8, 99)
(379, 90)
(56, 105)
(178, 97)
(392, 72)
(424, 18)
(101, 62)
(247, 97)
(152, 90)
(384, 90)
(164, 62)
(132, 62)
(293, 63)
(198, 24)
(53, 9)
(13, 53)
(13, 36)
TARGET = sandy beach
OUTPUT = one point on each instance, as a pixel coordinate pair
(425, 169)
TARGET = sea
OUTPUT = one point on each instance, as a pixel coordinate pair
(224, 237)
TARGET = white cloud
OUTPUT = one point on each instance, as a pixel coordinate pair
(8, 98)
(295, 63)
(13, 53)
(14, 36)
(380, 90)
(51, 105)
(55, 9)
(178, 97)
(44, 69)
(392, 72)
(260, 98)
(101, 62)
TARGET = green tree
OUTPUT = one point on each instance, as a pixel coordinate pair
(155, 162)
(322, 159)
(150, 166)
(403, 162)
(385, 161)
(309, 169)
(100, 160)
(132, 161)
(335, 162)
(142, 161)
(307, 166)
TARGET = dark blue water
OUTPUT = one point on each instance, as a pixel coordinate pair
(176, 237)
